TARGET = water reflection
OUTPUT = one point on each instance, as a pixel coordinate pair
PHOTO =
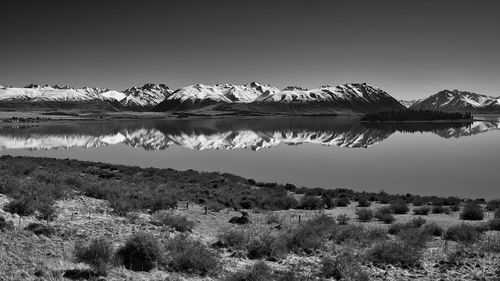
(224, 134)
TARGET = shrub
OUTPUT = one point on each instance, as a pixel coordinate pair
(343, 267)
(267, 245)
(433, 229)
(342, 202)
(363, 203)
(455, 208)
(437, 209)
(472, 212)
(5, 225)
(422, 211)
(399, 207)
(259, 271)
(417, 222)
(364, 215)
(396, 228)
(381, 212)
(497, 214)
(311, 203)
(191, 256)
(357, 233)
(495, 224)
(343, 219)
(462, 233)
(177, 222)
(493, 205)
(23, 206)
(387, 218)
(398, 253)
(141, 252)
(40, 229)
(310, 235)
(47, 211)
(98, 254)
(273, 218)
(235, 238)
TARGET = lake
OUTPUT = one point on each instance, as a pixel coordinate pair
(446, 159)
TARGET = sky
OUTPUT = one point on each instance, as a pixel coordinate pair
(410, 49)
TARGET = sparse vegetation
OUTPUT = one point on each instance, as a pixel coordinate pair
(343, 267)
(399, 207)
(236, 238)
(40, 229)
(5, 225)
(399, 253)
(98, 254)
(433, 229)
(343, 219)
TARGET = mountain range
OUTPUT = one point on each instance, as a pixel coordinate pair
(231, 99)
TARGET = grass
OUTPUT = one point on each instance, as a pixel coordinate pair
(462, 233)
(259, 271)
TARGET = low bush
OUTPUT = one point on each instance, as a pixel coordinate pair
(5, 225)
(343, 219)
(235, 238)
(177, 222)
(191, 256)
(363, 203)
(495, 224)
(462, 233)
(396, 228)
(433, 229)
(493, 205)
(417, 222)
(40, 229)
(98, 254)
(381, 212)
(358, 234)
(343, 267)
(141, 252)
(399, 207)
(273, 218)
(455, 208)
(269, 245)
(398, 253)
(438, 209)
(23, 206)
(387, 218)
(364, 215)
(342, 202)
(311, 203)
(472, 212)
(259, 271)
(422, 211)
(497, 214)
(310, 235)
(46, 211)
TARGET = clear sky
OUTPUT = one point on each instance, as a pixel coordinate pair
(411, 49)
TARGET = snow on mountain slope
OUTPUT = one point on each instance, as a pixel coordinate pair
(455, 100)
(407, 103)
(222, 92)
(146, 96)
(114, 95)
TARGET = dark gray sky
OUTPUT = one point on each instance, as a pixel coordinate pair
(409, 48)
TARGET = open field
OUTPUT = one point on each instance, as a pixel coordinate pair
(297, 233)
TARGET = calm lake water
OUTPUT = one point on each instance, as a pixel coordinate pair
(431, 159)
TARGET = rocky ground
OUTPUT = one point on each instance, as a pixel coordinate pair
(26, 256)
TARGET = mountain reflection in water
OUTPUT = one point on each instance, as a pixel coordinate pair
(224, 133)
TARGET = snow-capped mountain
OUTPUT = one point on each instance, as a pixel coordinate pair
(258, 99)
(64, 97)
(455, 100)
(407, 103)
(145, 97)
(200, 95)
